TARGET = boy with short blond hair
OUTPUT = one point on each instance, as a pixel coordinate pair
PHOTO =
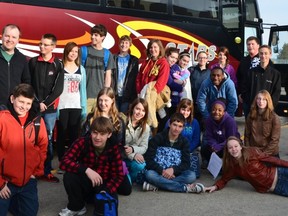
(124, 75)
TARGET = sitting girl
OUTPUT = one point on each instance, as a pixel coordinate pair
(219, 126)
(263, 126)
(191, 128)
(106, 107)
(137, 136)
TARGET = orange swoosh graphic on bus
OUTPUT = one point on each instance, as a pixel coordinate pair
(133, 27)
(147, 25)
(166, 39)
(84, 39)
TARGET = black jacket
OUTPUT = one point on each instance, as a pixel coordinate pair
(47, 78)
(12, 74)
(245, 64)
(258, 79)
(129, 87)
(162, 140)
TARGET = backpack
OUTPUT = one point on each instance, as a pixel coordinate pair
(105, 205)
(84, 52)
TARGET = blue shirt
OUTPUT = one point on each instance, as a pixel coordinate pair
(122, 70)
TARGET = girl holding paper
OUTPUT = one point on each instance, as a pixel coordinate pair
(265, 173)
(219, 126)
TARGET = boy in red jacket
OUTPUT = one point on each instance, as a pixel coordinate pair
(23, 147)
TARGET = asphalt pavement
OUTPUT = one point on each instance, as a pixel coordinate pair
(237, 198)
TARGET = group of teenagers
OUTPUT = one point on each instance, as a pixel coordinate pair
(105, 142)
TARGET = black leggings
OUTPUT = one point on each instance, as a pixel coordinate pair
(68, 124)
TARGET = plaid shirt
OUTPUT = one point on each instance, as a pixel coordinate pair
(108, 164)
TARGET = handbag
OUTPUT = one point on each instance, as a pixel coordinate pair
(105, 205)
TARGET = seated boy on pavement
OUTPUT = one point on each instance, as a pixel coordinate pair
(168, 160)
(93, 164)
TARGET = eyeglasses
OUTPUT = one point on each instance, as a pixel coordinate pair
(200, 58)
(45, 45)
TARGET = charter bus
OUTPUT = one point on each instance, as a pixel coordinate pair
(190, 25)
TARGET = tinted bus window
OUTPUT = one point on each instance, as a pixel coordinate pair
(96, 2)
(195, 8)
(230, 14)
(251, 11)
(147, 5)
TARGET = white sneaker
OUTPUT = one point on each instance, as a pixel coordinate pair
(149, 187)
(68, 212)
(195, 188)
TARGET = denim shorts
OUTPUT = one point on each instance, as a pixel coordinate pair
(281, 187)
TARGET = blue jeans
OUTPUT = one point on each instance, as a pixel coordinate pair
(23, 201)
(178, 184)
(134, 168)
(281, 187)
(49, 119)
(122, 106)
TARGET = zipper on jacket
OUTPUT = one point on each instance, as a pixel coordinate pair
(24, 168)
(8, 93)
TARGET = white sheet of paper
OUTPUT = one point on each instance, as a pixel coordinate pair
(214, 165)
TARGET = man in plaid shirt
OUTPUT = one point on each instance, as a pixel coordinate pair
(93, 164)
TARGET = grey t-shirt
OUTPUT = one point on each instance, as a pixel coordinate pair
(95, 70)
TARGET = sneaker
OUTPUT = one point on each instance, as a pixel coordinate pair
(49, 178)
(149, 187)
(68, 212)
(195, 188)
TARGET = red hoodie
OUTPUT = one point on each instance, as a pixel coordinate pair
(150, 70)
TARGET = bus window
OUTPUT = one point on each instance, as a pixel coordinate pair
(251, 11)
(97, 2)
(148, 5)
(158, 7)
(110, 3)
(207, 9)
(279, 47)
(231, 14)
(248, 31)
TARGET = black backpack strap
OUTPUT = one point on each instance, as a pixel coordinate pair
(3, 107)
(37, 124)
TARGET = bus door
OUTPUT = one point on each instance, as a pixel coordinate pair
(278, 40)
